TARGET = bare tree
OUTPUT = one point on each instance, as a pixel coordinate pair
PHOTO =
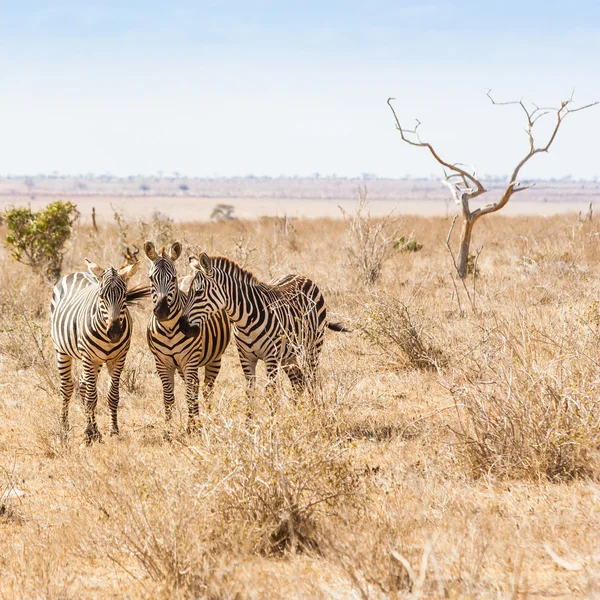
(462, 180)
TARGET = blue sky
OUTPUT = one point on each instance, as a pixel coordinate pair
(235, 88)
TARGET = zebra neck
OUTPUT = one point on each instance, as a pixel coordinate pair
(175, 312)
(96, 321)
(246, 301)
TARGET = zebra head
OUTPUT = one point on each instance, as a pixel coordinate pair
(163, 278)
(205, 297)
(112, 294)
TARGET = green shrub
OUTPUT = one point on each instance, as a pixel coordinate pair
(410, 245)
(472, 268)
(38, 238)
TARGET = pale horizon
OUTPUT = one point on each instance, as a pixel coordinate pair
(366, 177)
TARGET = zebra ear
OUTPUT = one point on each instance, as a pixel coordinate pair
(202, 264)
(129, 271)
(195, 263)
(150, 250)
(94, 269)
(205, 263)
(174, 251)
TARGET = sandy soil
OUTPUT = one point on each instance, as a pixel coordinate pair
(199, 209)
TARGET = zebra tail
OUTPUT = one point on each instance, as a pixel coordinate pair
(338, 327)
(139, 292)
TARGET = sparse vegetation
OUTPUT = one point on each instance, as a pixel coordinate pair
(447, 454)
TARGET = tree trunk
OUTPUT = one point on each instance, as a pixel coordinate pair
(465, 244)
(94, 225)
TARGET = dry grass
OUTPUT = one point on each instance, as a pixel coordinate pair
(451, 449)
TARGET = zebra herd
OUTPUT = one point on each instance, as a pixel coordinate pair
(282, 322)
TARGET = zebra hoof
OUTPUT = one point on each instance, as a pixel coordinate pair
(194, 427)
(92, 435)
(114, 433)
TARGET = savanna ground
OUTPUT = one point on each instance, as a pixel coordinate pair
(451, 449)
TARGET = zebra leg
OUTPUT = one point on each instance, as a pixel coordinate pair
(249, 368)
(114, 370)
(82, 390)
(211, 370)
(65, 371)
(310, 375)
(191, 394)
(90, 376)
(167, 378)
(296, 377)
(272, 371)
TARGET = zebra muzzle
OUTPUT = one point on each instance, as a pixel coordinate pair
(187, 329)
(161, 309)
(115, 330)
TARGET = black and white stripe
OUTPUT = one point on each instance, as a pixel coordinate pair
(90, 322)
(172, 350)
(282, 323)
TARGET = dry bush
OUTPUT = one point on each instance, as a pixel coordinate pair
(25, 338)
(121, 223)
(401, 331)
(159, 228)
(240, 489)
(529, 401)
(135, 372)
(370, 244)
(153, 524)
(284, 231)
(281, 475)
(244, 250)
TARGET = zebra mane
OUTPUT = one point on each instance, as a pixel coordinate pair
(139, 292)
(228, 265)
(280, 285)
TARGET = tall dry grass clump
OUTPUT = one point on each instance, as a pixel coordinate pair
(370, 241)
(236, 491)
(528, 396)
(401, 331)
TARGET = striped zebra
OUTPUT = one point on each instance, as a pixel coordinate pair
(90, 322)
(172, 350)
(282, 323)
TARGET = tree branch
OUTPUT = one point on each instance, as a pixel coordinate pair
(460, 194)
(532, 117)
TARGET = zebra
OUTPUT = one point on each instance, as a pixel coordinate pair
(282, 322)
(172, 350)
(90, 322)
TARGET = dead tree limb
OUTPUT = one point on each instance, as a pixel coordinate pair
(462, 180)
